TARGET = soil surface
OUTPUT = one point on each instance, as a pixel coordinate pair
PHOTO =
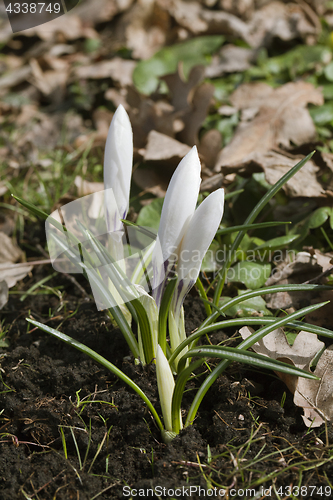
(71, 430)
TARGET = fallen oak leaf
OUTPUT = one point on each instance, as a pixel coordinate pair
(3, 293)
(12, 273)
(276, 346)
(316, 398)
(162, 147)
(9, 251)
(120, 70)
(303, 183)
(278, 118)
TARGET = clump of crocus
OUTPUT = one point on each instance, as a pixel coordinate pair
(185, 233)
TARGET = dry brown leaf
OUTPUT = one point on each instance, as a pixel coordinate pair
(117, 97)
(152, 182)
(316, 396)
(240, 8)
(102, 119)
(209, 147)
(298, 268)
(100, 11)
(275, 165)
(211, 183)
(9, 251)
(182, 89)
(12, 273)
(282, 119)
(15, 77)
(251, 96)
(286, 21)
(147, 115)
(50, 81)
(162, 147)
(231, 59)
(3, 188)
(195, 116)
(189, 16)
(325, 260)
(85, 188)
(120, 70)
(303, 183)
(144, 27)
(303, 264)
(276, 346)
(3, 293)
(66, 27)
(166, 153)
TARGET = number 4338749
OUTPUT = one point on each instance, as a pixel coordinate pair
(33, 8)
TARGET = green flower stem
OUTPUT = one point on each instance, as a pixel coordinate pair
(106, 296)
(133, 303)
(145, 330)
(213, 376)
(255, 212)
(116, 313)
(203, 295)
(298, 325)
(101, 360)
(178, 394)
(163, 313)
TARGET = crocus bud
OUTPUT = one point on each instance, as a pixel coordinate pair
(196, 241)
(165, 385)
(118, 160)
(178, 207)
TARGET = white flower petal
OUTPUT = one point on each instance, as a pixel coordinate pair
(165, 385)
(179, 204)
(197, 239)
(118, 159)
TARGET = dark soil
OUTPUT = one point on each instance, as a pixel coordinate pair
(44, 431)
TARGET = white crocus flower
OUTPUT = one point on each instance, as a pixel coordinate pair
(196, 241)
(118, 160)
(165, 385)
(178, 207)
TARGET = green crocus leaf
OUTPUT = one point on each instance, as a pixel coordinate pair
(248, 307)
(319, 216)
(328, 71)
(278, 243)
(150, 215)
(322, 115)
(253, 274)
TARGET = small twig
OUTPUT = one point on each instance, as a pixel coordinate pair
(318, 278)
(77, 284)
